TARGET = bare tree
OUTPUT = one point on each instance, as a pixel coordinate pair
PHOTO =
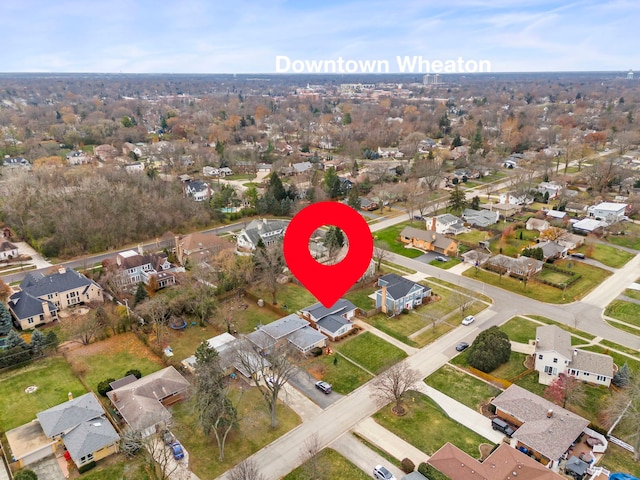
(393, 384)
(309, 456)
(270, 264)
(274, 366)
(246, 470)
(464, 301)
(380, 252)
(155, 311)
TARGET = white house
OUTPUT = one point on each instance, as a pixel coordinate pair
(608, 212)
(334, 321)
(555, 355)
(445, 224)
(511, 198)
(8, 250)
(137, 167)
(269, 231)
(553, 189)
(198, 190)
(134, 268)
(480, 218)
(537, 224)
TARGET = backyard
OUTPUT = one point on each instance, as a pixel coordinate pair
(391, 236)
(631, 237)
(427, 427)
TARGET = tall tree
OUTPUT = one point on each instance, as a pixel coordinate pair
(5, 320)
(332, 183)
(565, 389)
(380, 252)
(393, 384)
(489, 350)
(14, 340)
(353, 199)
(246, 470)
(457, 201)
(270, 263)
(38, 342)
(333, 240)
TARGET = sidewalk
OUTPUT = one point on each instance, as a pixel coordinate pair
(299, 402)
(393, 341)
(389, 442)
(362, 456)
(461, 413)
(616, 284)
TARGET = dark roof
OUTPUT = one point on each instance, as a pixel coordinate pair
(24, 305)
(332, 323)
(397, 286)
(67, 415)
(122, 382)
(62, 280)
(7, 246)
(319, 311)
(89, 437)
(263, 227)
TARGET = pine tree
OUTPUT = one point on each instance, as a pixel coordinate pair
(353, 200)
(38, 342)
(14, 340)
(141, 294)
(5, 320)
(457, 201)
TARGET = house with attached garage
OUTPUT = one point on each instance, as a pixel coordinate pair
(39, 297)
(608, 212)
(292, 328)
(267, 231)
(79, 425)
(198, 190)
(334, 321)
(480, 218)
(445, 224)
(429, 241)
(398, 293)
(134, 267)
(554, 355)
(8, 250)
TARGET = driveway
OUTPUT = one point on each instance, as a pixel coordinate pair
(47, 469)
(305, 383)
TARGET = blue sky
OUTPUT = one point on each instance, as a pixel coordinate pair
(246, 36)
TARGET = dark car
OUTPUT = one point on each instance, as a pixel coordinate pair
(578, 255)
(462, 346)
(502, 426)
(324, 387)
(177, 451)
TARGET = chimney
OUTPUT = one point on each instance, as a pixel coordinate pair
(140, 251)
(384, 299)
(433, 223)
(61, 270)
(264, 220)
(550, 413)
(537, 340)
(70, 395)
(115, 397)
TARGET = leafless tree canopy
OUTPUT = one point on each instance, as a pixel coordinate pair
(246, 470)
(393, 384)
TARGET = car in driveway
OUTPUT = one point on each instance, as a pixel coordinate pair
(324, 387)
(442, 258)
(468, 320)
(578, 255)
(462, 346)
(382, 473)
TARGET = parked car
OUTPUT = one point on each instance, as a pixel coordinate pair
(381, 473)
(468, 320)
(462, 346)
(176, 449)
(502, 426)
(269, 381)
(324, 387)
(578, 255)
(442, 258)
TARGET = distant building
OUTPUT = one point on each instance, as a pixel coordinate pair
(608, 212)
(269, 231)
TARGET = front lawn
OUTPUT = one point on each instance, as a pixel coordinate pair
(400, 326)
(254, 432)
(462, 387)
(591, 277)
(54, 380)
(625, 311)
(372, 352)
(512, 245)
(520, 329)
(360, 298)
(635, 294)
(112, 358)
(343, 375)
(553, 276)
(427, 427)
(474, 236)
(329, 465)
(391, 236)
(606, 254)
(631, 237)
(506, 371)
(451, 262)
(573, 331)
(118, 467)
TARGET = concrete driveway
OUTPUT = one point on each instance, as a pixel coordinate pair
(47, 469)
(305, 383)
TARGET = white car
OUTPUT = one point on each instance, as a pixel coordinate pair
(381, 473)
(468, 320)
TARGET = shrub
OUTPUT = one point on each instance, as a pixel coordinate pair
(135, 372)
(316, 352)
(86, 467)
(25, 474)
(431, 473)
(104, 387)
(489, 350)
(407, 466)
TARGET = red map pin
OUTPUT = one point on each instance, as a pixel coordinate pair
(328, 282)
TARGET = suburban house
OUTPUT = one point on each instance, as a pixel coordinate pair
(134, 268)
(269, 231)
(198, 247)
(575, 207)
(570, 240)
(41, 296)
(390, 152)
(429, 241)
(142, 402)
(78, 157)
(8, 250)
(13, 162)
(334, 321)
(550, 188)
(368, 205)
(445, 224)
(537, 224)
(588, 225)
(521, 266)
(198, 190)
(398, 293)
(511, 198)
(505, 209)
(501, 464)
(80, 425)
(544, 429)
(137, 167)
(292, 328)
(480, 218)
(608, 212)
(476, 257)
(552, 250)
(554, 355)
(556, 214)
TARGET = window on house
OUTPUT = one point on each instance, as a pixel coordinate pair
(539, 357)
(86, 458)
(548, 370)
(42, 317)
(30, 320)
(555, 360)
(600, 378)
(586, 374)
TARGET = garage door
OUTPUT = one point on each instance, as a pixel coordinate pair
(33, 457)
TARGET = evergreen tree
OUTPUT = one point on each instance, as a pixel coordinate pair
(457, 201)
(38, 342)
(346, 119)
(5, 320)
(334, 239)
(52, 340)
(457, 141)
(489, 350)
(475, 203)
(275, 187)
(141, 294)
(14, 340)
(332, 183)
(353, 200)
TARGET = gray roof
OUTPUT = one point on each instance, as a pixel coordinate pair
(552, 338)
(305, 337)
(7, 246)
(414, 476)
(551, 249)
(302, 166)
(317, 311)
(480, 218)
(592, 362)
(61, 418)
(262, 227)
(89, 437)
(549, 436)
(25, 305)
(397, 286)
(332, 323)
(284, 326)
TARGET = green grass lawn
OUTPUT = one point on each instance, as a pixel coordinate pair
(427, 427)
(344, 376)
(506, 371)
(626, 311)
(553, 276)
(118, 467)
(391, 236)
(254, 432)
(54, 380)
(590, 278)
(451, 262)
(360, 297)
(329, 465)
(635, 294)
(513, 245)
(520, 329)
(400, 326)
(294, 296)
(608, 255)
(530, 382)
(617, 459)
(573, 331)
(474, 236)
(631, 238)
(461, 386)
(435, 282)
(372, 352)
(112, 358)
